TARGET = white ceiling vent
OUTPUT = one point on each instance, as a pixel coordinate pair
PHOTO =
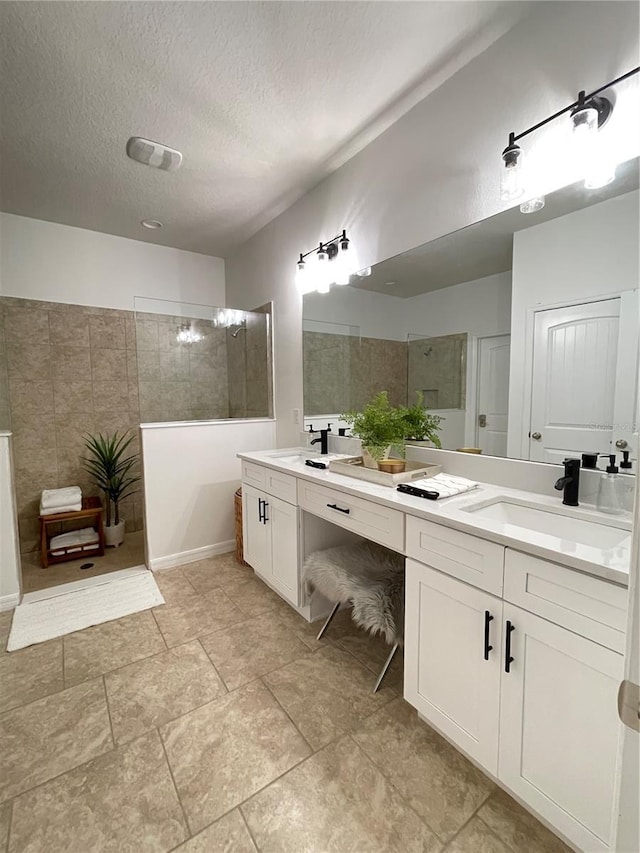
(154, 154)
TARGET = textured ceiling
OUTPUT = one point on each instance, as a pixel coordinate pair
(263, 99)
(486, 247)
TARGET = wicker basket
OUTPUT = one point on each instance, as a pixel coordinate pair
(238, 514)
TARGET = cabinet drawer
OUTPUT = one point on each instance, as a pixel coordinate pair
(591, 607)
(253, 475)
(467, 557)
(280, 485)
(363, 517)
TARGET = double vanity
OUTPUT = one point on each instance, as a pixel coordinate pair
(514, 628)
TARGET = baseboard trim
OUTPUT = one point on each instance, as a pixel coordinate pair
(192, 556)
(9, 602)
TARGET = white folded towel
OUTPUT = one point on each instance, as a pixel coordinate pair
(60, 553)
(446, 485)
(60, 497)
(54, 510)
(84, 536)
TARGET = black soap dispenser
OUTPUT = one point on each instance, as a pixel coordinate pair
(608, 490)
(627, 484)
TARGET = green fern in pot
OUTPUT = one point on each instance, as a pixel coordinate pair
(113, 472)
(419, 424)
(380, 427)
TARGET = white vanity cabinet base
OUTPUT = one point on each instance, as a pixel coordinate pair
(283, 523)
(255, 534)
(446, 676)
(271, 547)
(466, 557)
(589, 606)
(559, 700)
(362, 517)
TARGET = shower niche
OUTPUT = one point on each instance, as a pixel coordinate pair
(202, 362)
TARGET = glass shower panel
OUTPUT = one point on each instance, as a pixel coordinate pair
(201, 362)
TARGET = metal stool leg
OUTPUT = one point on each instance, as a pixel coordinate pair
(386, 666)
(327, 623)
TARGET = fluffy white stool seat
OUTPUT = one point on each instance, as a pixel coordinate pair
(369, 577)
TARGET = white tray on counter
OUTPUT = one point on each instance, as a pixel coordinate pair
(354, 467)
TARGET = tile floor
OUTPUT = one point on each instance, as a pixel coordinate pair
(218, 722)
(130, 553)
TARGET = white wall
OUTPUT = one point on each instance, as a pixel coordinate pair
(9, 548)
(437, 169)
(58, 263)
(593, 252)
(191, 473)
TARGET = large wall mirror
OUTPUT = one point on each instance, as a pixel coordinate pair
(521, 331)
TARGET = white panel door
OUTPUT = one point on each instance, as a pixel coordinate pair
(452, 659)
(559, 727)
(255, 533)
(493, 394)
(282, 519)
(573, 397)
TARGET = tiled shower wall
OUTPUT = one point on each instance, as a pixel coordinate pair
(438, 368)
(250, 373)
(343, 372)
(71, 370)
(179, 381)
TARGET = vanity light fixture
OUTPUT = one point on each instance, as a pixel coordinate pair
(333, 262)
(588, 114)
(511, 186)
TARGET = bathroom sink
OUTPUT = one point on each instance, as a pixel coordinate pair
(291, 457)
(586, 531)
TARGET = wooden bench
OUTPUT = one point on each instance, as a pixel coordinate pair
(91, 509)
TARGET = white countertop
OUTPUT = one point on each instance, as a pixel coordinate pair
(610, 564)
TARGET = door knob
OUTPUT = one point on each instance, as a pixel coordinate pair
(482, 420)
(536, 435)
(621, 443)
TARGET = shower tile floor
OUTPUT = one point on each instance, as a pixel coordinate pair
(130, 553)
(218, 722)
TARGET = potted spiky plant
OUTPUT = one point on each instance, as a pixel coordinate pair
(380, 427)
(113, 473)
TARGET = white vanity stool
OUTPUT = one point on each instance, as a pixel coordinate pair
(370, 578)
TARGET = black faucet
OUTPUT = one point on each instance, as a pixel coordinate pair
(324, 439)
(570, 483)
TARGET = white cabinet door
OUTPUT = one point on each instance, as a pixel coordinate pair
(255, 532)
(559, 727)
(452, 659)
(282, 521)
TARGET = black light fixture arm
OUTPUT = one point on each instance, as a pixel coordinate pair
(324, 244)
(582, 97)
